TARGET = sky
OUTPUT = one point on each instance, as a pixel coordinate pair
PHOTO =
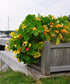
(17, 10)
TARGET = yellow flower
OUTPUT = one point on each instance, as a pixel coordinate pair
(17, 36)
(14, 52)
(12, 33)
(45, 16)
(66, 27)
(8, 49)
(42, 43)
(24, 43)
(38, 19)
(18, 60)
(6, 41)
(18, 51)
(11, 39)
(34, 28)
(57, 41)
(8, 38)
(23, 26)
(16, 29)
(37, 55)
(29, 44)
(40, 48)
(14, 56)
(15, 45)
(60, 36)
(44, 26)
(6, 46)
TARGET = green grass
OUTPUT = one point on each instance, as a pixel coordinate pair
(56, 80)
(11, 77)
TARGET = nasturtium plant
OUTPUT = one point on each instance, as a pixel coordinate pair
(28, 41)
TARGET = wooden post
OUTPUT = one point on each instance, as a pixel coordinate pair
(45, 58)
(0, 65)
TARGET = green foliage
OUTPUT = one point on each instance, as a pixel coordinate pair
(27, 42)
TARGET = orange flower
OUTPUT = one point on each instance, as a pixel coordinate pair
(64, 30)
(52, 35)
(57, 31)
(51, 25)
(44, 32)
(59, 25)
(53, 17)
(47, 30)
(19, 36)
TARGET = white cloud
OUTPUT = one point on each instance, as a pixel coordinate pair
(18, 9)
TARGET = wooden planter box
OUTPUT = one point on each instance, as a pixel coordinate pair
(55, 58)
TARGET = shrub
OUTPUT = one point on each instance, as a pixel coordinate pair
(27, 42)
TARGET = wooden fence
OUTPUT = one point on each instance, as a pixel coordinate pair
(55, 58)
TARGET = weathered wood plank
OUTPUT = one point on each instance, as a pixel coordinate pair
(37, 67)
(3, 41)
(5, 67)
(43, 55)
(61, 45)
(57, 57)
(68, 56)
(65, 56)
(61, 51)
(48, 53)
(7, 57)
(45, 58)
(0, 65)
(60, 68)
(53, 57)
